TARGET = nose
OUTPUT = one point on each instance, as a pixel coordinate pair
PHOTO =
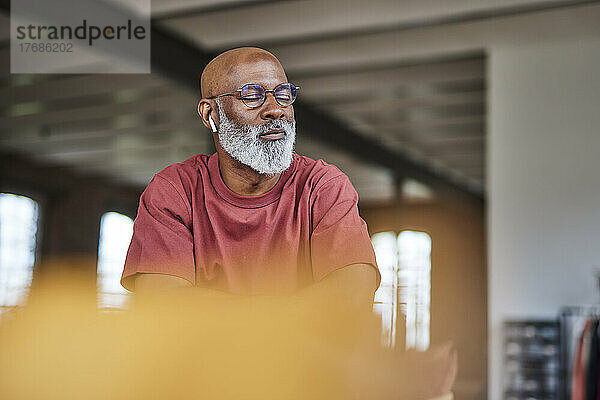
(271, 109)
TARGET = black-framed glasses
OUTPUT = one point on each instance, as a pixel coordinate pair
(254, 95)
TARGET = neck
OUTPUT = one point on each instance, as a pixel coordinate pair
(242, 179)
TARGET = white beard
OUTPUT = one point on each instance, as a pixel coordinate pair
(243, 143)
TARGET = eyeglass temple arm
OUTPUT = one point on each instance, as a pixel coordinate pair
(224, 94)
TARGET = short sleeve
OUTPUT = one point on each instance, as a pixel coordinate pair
(339, 236)
(162, 242)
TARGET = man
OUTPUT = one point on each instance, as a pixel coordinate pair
(253, 218)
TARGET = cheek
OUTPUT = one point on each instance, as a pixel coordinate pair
(242, 115)
(290, 113)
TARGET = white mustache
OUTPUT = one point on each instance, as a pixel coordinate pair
(268, 126)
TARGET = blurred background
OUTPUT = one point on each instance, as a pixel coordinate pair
(470, 129)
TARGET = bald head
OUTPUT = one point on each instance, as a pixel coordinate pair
(236, 67)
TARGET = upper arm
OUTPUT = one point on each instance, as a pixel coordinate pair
(162, 241)
(359, 277)
(339, 236)
(353, 284)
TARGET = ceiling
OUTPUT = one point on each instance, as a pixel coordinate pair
(407, 76)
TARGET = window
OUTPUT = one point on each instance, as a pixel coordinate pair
(405, 265)
(115, 234)
(18, 231)
(386, 301)
(414, 273)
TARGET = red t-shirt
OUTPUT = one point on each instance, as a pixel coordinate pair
(191, 225)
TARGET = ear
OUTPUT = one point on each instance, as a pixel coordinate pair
(205, 110)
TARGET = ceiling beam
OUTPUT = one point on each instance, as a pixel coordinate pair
(167, 102)
(88, 152)
(73, 135)
(355, 18)
(340, 18)
(343, 105)
(424, 43)
(390, 79)
(173, 10)
(77, 86)
(420, 124)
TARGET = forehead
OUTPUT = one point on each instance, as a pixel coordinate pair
(266, 72)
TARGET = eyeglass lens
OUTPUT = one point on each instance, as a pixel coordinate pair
(253, 95)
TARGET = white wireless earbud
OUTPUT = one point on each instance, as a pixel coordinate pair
(212, 124)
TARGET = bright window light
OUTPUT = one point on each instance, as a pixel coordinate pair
(115, 234)
(386, 300)
(414, 251)
(405, 265)
(18, 230)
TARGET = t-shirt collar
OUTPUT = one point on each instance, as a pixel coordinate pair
(247, 201)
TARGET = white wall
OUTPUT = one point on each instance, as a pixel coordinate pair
(544, 184)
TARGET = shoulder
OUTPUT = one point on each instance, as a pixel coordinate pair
(319, 173)
(175, 184)
(184, 176)
(183, 171)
